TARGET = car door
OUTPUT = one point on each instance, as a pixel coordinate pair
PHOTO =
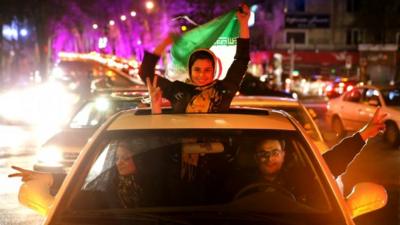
(370, 101)
(350, 109)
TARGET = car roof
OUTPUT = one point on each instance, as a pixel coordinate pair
(267, 101)
(119, 96)
(271, 119)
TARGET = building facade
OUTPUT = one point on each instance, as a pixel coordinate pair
(327, 37)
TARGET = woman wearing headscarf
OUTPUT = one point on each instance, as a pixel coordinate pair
(203, 93)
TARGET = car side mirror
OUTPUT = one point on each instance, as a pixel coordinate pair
(35, 194)
(373, 102)
(366, 197)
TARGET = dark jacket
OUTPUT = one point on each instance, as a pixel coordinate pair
(220, 92)
(340, 156)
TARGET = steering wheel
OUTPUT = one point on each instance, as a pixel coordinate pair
(262, 186)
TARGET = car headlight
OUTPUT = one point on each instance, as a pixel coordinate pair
(50, 156)
(102, 104)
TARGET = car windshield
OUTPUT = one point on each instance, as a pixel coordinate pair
(185, 175)
(391, 97)
(94, 113)
(305, 121)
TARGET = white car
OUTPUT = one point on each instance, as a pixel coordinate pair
(185, 165)
(354, 108)
(59, 152)
(291, 106)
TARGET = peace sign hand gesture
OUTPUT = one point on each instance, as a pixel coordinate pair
(155, 95)
(374, 126)
(27, 175)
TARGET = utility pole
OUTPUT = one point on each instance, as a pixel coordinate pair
(291, 51)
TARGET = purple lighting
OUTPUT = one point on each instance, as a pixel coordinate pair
(149, 5)
(124, 28)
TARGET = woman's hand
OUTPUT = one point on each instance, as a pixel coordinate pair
(27, 175)
(155, 95)
(168, 40)
(374, 126)
(243, 15)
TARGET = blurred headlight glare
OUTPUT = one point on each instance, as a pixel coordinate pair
(50, 156)
(102, 104)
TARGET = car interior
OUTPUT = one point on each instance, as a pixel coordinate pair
(192, 169)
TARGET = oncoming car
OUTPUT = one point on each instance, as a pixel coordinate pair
(194, 169)
(354, 109)
(289, 105)
(60, 151)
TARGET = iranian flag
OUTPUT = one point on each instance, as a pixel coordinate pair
(219, 35)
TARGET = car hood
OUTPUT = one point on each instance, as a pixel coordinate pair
(71, 137)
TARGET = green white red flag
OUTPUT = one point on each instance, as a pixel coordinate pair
(219, 35)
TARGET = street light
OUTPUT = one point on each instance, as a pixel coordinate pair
(95, 26)
(123, 18)
(111, 22)
(133, 13)
(23, 32)
(149, 5)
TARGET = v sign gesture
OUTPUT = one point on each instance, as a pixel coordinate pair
(374, 126)
(155, 95)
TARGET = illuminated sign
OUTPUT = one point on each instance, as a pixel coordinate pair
(307, 21)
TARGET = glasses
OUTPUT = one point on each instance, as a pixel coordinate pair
(265, 155)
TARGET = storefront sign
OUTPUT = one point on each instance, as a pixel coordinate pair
(307, 21)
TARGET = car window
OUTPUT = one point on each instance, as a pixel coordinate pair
(371, 94)
(302, 117)
(391, 97)
(95, 112)
(191, 169)
(354, 95)
(105, 77)
(88, 116)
